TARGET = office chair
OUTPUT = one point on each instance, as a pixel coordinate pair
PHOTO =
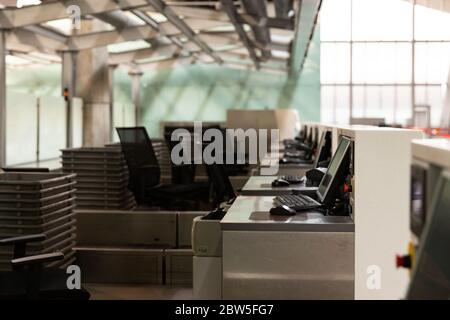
(222, 187)
(29, 279)
(145, 173)
(183, 173)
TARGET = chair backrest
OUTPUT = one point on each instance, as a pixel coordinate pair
(138, 151)
(223, 188)
(181, 174)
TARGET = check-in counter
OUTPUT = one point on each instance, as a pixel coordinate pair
(306, 256)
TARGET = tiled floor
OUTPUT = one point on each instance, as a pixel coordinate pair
(137, 292)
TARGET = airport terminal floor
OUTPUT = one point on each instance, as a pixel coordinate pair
(198, 151)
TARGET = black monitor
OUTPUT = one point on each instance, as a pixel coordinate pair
(316, 137)
(305, 134)
(324, 149)
(309, 137)
(431, 271)
(418, 195)
(336, 173)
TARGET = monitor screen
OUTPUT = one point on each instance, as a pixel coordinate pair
(431, 273)
(316, 137)
(335, 173)
(324, 149)
(418, 199)
(309, 137)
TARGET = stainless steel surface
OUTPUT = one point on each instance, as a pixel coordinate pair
(262, 186)
(120, 265)
(252, 214)
(288, 265)
(207, 278)
(178, 264)
(127, 228)
(293, 169)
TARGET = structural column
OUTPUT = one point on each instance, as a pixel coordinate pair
(69, 78)
(93, 86)
(136, 94)
(2, 99)
(112, 68)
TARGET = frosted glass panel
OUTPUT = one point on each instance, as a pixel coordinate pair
(77, 122)
(335, 63)
(21, 128)
(52, 128)
(335, 104)
(393, 103)
(335, 20)
(382, 20)
(431, 24)
(434, 97)
(432, 62)
(382, 63)
(129, 115)
(124, 116)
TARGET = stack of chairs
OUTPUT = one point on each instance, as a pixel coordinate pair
(38, 203)
(102, 178)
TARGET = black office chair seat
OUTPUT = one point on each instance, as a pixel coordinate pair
(52, 286)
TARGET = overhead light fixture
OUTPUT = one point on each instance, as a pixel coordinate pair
(24, 3)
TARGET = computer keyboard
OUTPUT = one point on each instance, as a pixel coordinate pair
(293, 179)
(297, 202)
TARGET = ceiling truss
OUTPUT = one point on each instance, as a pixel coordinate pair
(256, 34)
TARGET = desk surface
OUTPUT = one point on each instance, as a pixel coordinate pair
(252, 214)
(262, 186)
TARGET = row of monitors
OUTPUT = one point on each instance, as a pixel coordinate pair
(309, 134)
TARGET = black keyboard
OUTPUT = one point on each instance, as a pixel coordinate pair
(293, 179)
(298, 202)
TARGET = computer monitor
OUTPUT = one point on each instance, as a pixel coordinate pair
(309, 137)
(324, 149)
(336, 173)
(418, 197)
(431, 273)
(305, 133)
(315, 137)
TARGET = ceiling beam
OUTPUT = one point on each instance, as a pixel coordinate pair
(258, 8)
(273, 46)
(252, 20)
(47, 32)
(230, 9)
(268, 22)
(18, 17)
(183, 27)
(304, 32)
(283, 8)
(127, 56)
(25, 38)
(104, 38)
(155, 26)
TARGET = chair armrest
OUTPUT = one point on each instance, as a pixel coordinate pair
(20, 243)
(37, 259)
(22, 239)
